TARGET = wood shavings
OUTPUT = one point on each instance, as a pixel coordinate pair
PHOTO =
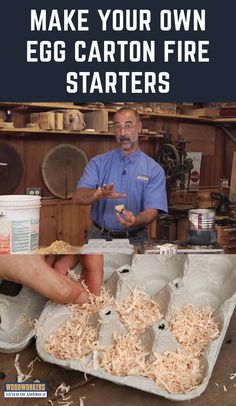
(62, 391)
(225, 389)
(125, 357)
(216, 384)
(59, 247)
(38, 329)
(73, 275)
(119, 208)
(72, 340)
(24, 318)
(22, 377)
(138, 312)
(93, 305)
(232, 376)
(194, 328)
(176, 372)
(81, 401)
(76, 338)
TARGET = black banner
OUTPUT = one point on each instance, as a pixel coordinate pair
(132, 51)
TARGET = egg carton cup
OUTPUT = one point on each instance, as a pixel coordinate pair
(18, 313)
(17, 319)
(172, 282)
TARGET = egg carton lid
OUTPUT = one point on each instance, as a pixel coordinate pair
(116, 245)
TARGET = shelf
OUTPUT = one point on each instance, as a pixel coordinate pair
(63, 106)
(25, 131)
(229, 120)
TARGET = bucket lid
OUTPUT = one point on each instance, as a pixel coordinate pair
(19, 197)
(19, 200)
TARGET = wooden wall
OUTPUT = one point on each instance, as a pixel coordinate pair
(33, 149)
(61, 219)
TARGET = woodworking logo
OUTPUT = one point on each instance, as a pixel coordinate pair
(25, 390)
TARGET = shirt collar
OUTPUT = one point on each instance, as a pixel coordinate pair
(131, 157)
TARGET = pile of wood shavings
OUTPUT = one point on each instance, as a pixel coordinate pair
(176, 372)
(76, 338)
(59, 247)
(72, 340)
(93, 305)
(194, 328)
(125, 357)
(138, 312)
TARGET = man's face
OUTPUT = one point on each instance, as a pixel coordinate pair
(127, 130)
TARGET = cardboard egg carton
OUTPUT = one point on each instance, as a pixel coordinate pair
(116, 245)
(17, 319)
(18, 313)
(170, 281)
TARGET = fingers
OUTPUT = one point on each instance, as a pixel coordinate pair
(108, 192)
(127, 218)
(92, 272)
(118, 195)
(65, 262)
(98, 193)
(34, 272)
(128, 214)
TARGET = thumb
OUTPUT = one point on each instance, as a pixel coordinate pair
(98, 192)
(33, 272)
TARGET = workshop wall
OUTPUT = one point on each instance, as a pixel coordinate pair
(60, 219)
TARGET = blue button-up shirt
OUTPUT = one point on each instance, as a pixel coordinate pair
(137, 175)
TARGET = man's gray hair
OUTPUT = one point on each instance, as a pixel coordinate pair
(129, 109)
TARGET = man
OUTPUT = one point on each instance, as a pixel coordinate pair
(48, 275)
(125, 176)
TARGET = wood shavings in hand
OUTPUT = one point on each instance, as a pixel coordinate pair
(73, 275)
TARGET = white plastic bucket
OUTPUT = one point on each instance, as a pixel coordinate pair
(19, 224)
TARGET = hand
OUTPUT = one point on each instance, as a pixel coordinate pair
(47, 276)
(127, 219)
(107, 192)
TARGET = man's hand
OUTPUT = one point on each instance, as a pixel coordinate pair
(86, 196)
(108, 192)
(127, 219)
(47, 276)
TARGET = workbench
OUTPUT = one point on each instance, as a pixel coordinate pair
(98, 392)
